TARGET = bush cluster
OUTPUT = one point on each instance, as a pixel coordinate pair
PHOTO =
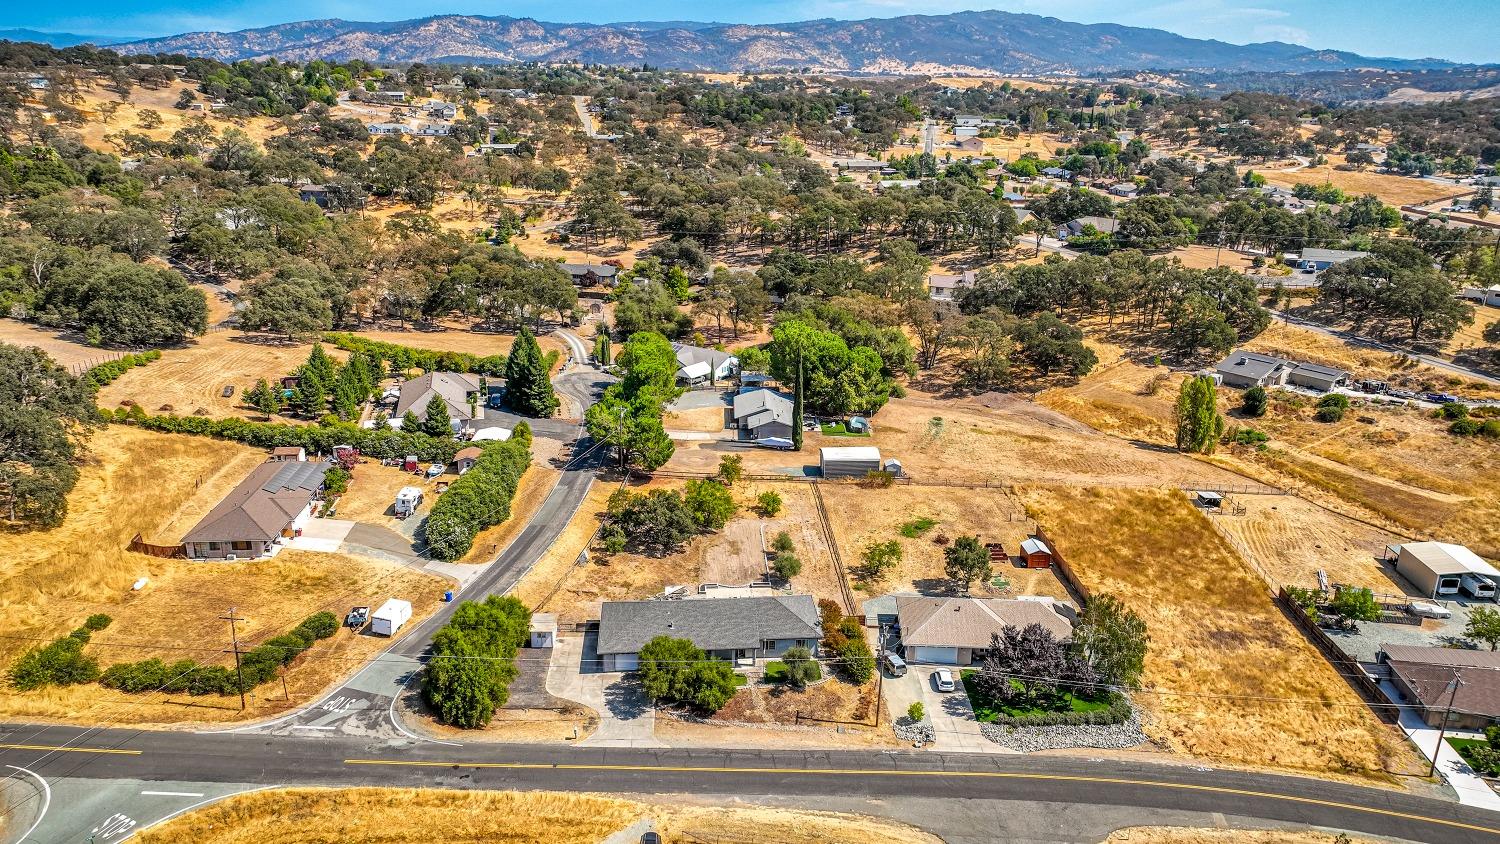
(60, 662)
(845, 640)
(1117, 713)
(473, 660)
(104, 373)
(1464, 424)
(1331, 407)
(317, 439)
(480, 497)
(258, 665)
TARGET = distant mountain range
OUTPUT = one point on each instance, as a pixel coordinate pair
(56, 39)
(994, 41)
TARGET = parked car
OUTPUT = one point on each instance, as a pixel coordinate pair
(357, 617)
(1439, 398)
(942, 679)
(1401, 394)
(1428, 609)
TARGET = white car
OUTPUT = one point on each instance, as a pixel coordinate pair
(1428, 609)
(943, 680)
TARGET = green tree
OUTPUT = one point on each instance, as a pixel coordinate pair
(1255, 402)
(800, 667)
(311, 397)
(265, 398)
(782, 543)
(1355, 604)
(294, 308)
(656, 522)
(1331, 408)
(320, 364)
(709, 503)
(798, 398)
(603, 346)
(1199, 425)
(786, 566)
(411, 423)
(966, 561)
(769, 503)
(675, 670)
(731, 467)
(528, 389)
(1484, 626)
(1112, 638)
(46, 415)
(877, 559)
(473, 660)
(436, 421)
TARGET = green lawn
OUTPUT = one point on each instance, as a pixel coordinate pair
(1466, 748)
(740, 680)
(775, 671)
(837, 429)
(987, 710)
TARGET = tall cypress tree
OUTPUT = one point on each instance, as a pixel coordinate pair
(312, 392)
(797, 407)
(319, 361)
(437, 423)
(1199, 424)
(528, 391)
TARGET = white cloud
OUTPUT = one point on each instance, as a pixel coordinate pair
(1289, 34)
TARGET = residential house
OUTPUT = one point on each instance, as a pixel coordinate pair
(383, 96)
(435, 130)
(857, 165)
(1023, 214)
(388, 129)
(1125, 189)
(761, 414)
(738, 629)
(958, 631)
(1057, 173)
(1425, 678)
(1252, 369)
(1319, 260)
(961, 132)
(492, 149)
(442, 111)
(699, 364)
(1317, 376)
(968, 120)
(905, 184)
(316, 194)
(589, 275)
(269, 506)
(945, 287)
(462, 392)
(1073, 228)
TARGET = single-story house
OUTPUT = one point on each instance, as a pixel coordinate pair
(1057, 172)
(1424, 676)
(967, 120)
(945, 287)
(389, 129)
(759, 414)
(464, 460)
(737, 629)
(957, 631)
(491, 149)
(435, 130)
(1317, 376)
(1438, 568)
(1125, 189)
(903, 184)
(849, 461)
(965, 131)
(699, 364)
(588, 275)
(443, 111)
(1073, 228)
(1036, 553)
(316, 194)
(1022, 214)
(461, 391)
(857, 165)
(1483, 295)
(272, 503)
(1321, 259)
(1252, 369)
(288, 454)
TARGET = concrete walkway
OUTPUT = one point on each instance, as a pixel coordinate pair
(1471, 789)
(626, 718)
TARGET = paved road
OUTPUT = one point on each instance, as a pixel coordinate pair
(874, 775)
(1357, 340)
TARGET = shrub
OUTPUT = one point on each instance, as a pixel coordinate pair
(402, 358)
(1329, 413)
(782, 543)
(1490, 429)
(855, 659)
(1255, 402)
(916, 527)
(97, 622)
(58, 663)
(916, 712)
(1454, 410)
(769, 503)
(258, 665)
(320, 438)
(786, 566)
(478, 499)
(1465, 427)
(675, 670)
(800, 668)
(336, 480)
(1248, 436)
(1118, 712)
(107, 372)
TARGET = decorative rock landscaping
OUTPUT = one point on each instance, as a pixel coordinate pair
(914, 731)
(1029, 739)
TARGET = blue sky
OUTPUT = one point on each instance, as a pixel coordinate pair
(1462, 30)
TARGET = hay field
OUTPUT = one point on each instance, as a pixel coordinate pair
(1392, 190)
(1227, 676)
(142, 481)
(529, 817)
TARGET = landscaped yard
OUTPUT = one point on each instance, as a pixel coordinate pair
(1475, 752)
(987, 709)
(840, 429)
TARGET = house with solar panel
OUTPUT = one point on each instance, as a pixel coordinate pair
(257, 518)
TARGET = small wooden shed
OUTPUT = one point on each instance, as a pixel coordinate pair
(1036, 553)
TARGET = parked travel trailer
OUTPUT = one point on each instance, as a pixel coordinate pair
(390, 617)
(408, 499)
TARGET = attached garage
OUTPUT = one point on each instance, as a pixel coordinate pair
(622, 662)
(849, 462)
(938, 656)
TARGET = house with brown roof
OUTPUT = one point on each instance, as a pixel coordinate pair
(957, 631)
(1424, 677)
(268, 507)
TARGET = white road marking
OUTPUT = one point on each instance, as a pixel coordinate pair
(116, 824)
(313, 727)
(173, 793)
(46, 800)
(186, 809)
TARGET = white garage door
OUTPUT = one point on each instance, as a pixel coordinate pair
(941, 656)
(627, 662)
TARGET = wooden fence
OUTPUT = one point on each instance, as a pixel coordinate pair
(1065, 572)
(170, 552)
(1350, 669)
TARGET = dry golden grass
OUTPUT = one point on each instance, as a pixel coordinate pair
(1292, 540)
(163, 101)
(702, 419)
(1392, 190)
(140, 481)
(1227, 676)
(65, 351)
(1304, 344)
(1207, 257)
(1190, 835)
(529, 817)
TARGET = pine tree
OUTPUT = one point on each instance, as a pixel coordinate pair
(528, 391)
(797, 408)
(1199, 425)
(344, 402)
(312, 392)
(411, 422)
(437, 423)
(264, 398)
(319, 362)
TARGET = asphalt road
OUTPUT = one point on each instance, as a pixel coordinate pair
(1357, 340)
(136, 755)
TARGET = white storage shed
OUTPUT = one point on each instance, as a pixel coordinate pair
(849, 461)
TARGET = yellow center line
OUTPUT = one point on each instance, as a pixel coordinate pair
(1214, 789)
(69, 749)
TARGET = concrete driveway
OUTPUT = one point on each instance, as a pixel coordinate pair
(324, 535)
(952, 718)
(626, 718)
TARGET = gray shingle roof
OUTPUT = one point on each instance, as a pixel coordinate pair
(1250, 364)
(689, 355)
(1428, 671)
(454, 387)
(971, 622)
(721, 624)
(1332, 255)
(763, 406)
(263, 504)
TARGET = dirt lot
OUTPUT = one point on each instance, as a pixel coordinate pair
(66, 349)
(531, 817)
(1292, 540)
(755, 709)
(1208, 257)
(1227, 676)
(137, 480)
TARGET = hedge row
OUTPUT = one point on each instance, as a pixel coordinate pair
(1117, 713)
(104, 373)
(60, 662)
(407, 357)
(480, 497)
(317, 439)
(258, 665)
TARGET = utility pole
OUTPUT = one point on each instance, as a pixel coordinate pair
(234, 638)
(1443, 728)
